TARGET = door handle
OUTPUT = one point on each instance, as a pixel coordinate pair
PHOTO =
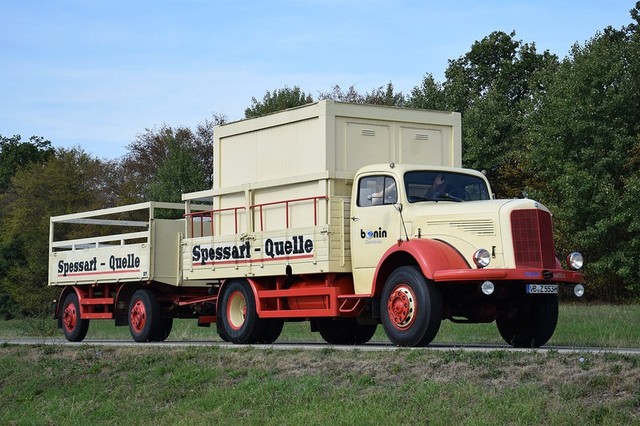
(353, 218)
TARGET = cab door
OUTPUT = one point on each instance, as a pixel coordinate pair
(375, 225)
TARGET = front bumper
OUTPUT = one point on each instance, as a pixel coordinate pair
(549, 276)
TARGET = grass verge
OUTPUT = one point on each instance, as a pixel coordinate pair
(160, 385)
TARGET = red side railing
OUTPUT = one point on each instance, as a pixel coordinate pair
(210, 214)
(256, 207)
(287, 203)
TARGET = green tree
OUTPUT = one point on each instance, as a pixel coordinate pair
(383, 95)
(179, 173)
(492, 86)
(279, 100)
(147, 172)
(586, 151)
(429, 95)
(16, 153)
(70, 181)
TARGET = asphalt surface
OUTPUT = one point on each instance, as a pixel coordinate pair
(371, 346)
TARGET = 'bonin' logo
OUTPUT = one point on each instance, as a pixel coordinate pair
(380, 233)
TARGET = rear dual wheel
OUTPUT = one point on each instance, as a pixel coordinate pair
(345, 331)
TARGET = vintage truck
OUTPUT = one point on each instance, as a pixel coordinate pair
(343, 215)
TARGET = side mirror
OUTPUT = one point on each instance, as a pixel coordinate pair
(398, 206)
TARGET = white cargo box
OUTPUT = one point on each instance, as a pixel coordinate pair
(332, 137)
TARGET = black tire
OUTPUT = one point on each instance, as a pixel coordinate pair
(410, 308)
(345, 331)
(145, 322)
(237, 316)
(165, 329)
(533, 322)
(272, 331)
(221, 331)
(364, 332)
(74, 328)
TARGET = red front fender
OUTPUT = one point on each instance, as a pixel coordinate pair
(429, 255)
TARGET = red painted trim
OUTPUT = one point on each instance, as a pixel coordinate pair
(442, 263)
(251, 261)
(82, 274)
(519, 274)
(431, 255)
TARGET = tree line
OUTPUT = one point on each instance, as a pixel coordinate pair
(565, 132)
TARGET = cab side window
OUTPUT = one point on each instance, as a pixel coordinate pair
(377, 190)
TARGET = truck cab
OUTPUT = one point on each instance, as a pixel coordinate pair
(483, 259)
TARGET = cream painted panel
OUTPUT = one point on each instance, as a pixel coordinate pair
(424, 146)
(366, 143)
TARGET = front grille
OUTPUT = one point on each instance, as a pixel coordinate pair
(533, 239)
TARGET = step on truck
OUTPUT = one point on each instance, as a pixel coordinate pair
(347, 216)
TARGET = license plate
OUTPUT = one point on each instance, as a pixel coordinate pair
(542, 289)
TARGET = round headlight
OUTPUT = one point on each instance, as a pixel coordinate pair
(482, 258)
(575, 260)
(578, 290)
(487, 288)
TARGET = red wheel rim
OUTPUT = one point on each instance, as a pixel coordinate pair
(236, 310)
(401, 307)
(138, 316)
(70, 317)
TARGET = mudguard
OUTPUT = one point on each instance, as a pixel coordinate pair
(430, 255)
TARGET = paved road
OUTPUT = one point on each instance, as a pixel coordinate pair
(372, 346)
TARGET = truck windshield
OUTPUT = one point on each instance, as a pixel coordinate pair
(444, 186)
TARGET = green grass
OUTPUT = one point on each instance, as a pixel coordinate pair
(212, 385)
(579, 325)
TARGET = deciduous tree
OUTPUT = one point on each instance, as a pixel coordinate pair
(492, 87)
(279, 100)
(70, 181)
(586, 152)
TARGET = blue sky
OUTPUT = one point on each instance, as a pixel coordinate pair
(95, 74)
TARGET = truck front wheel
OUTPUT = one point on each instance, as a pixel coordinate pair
(74, 328)
(531, 323)
(410, 307)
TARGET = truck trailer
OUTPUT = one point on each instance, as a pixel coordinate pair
(343, 215)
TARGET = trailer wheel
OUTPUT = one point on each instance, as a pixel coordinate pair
(238, 317)
(410, 307)
(345, 331)
(533, 323)
(74, 328)
(165, 329)
(145, 323)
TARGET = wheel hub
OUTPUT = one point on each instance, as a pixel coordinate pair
(401, 307)
(138, 316)
(69, 317)
(237, 310)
